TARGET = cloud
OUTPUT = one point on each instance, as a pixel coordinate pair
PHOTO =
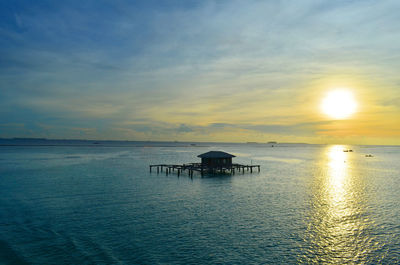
(184, 128)
(192, 68)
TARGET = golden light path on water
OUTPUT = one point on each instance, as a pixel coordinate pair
(339, 229)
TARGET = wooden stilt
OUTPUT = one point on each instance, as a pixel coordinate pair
(202, 169)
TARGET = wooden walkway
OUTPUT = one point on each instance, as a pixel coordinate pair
(192, 167)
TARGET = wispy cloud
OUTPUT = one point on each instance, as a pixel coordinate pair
(180, 69)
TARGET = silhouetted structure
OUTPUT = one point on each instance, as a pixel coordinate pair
(216, 159)
(211, 162)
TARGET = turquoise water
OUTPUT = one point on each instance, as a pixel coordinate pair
(100, 205)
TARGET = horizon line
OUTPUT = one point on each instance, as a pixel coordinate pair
(176, 141)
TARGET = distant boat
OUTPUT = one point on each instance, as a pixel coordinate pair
(347, 150)
(369, 155)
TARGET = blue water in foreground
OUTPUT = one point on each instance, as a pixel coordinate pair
(85, 204)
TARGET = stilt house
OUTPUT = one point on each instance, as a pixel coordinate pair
(211, 162)
(216, 159)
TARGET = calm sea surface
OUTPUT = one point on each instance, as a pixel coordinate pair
(82, 204)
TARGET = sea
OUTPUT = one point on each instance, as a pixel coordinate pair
(96, 202)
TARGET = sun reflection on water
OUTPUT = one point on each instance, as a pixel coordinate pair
(339, 230)
(337, 169)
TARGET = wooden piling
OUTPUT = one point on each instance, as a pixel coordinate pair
(191, 167)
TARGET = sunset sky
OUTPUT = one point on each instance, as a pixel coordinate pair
(199, 70)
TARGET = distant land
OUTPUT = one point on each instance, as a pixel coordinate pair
(32, 141)
(27, 141)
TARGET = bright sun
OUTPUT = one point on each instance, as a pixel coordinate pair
(339, 104)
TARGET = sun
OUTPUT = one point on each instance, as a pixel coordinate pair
(339, 104)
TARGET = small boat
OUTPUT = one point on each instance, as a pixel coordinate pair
(369, 155)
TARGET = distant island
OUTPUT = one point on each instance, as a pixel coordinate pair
(28, 139)
(41, 141)
(272, 142)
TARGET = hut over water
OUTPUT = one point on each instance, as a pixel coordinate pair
(214, 159)
(211, 162)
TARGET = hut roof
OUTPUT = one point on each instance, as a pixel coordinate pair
(215, 154)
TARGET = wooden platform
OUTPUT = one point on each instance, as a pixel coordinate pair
(192, 167)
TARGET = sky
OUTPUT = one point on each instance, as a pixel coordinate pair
(230, 71)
